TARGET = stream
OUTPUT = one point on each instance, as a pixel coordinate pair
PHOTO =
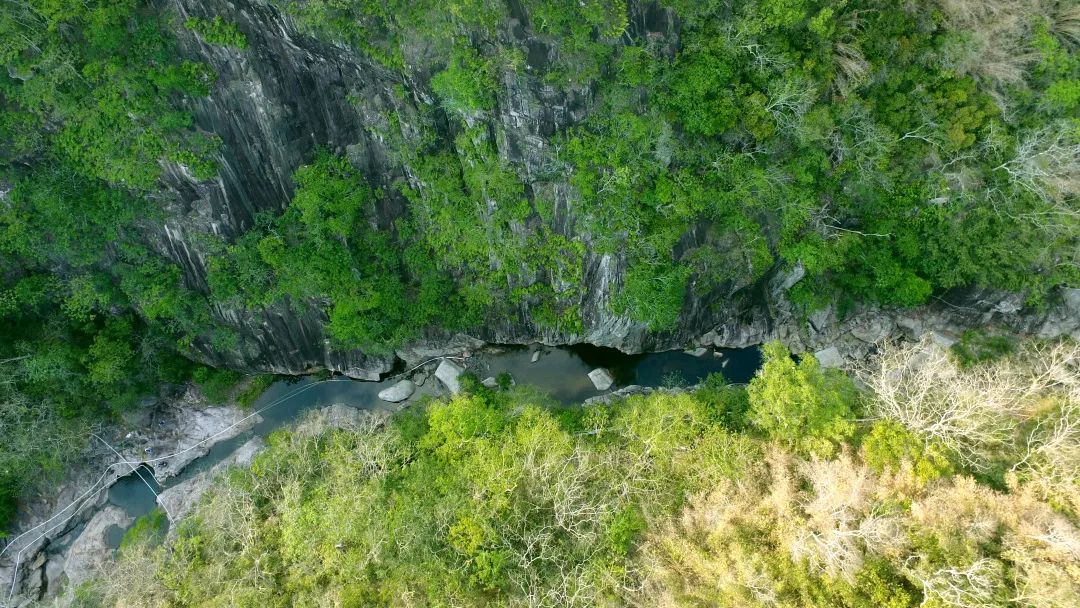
(561, 371)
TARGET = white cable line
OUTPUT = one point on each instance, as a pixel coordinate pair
(58, 513)
(136, 470)
(262, 409)
(132, 463)
(419, 365)
(18, 557)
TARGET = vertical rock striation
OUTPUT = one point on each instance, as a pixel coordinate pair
(287, 94)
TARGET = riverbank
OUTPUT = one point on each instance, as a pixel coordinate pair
(60, 539)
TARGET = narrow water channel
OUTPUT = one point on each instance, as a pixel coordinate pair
(560, 371)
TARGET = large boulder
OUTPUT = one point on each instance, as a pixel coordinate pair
(829, 357)
(601, 379)
(399, 392)
(90, 551)
(449, 373)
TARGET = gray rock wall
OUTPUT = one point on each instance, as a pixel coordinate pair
(288, 94)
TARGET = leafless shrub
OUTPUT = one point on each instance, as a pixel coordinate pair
(975, 586)
(1045, 550)
(842, 523)
(852, 66)
(993, 43)
(1065, 22)
(789, 100)
(971, 413)
(1047, 164)
(130, 581)
(1043, 546)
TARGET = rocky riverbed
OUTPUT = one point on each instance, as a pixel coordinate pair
(64, 533)
(179, 443)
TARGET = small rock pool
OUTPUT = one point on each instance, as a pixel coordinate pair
(561, 371)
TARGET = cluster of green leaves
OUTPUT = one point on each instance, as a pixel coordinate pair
(91, 83)
(324, 250)
(978, 346)
(467, 83)
(888, 445)
(583, 34)
(217, 31)
(148, 529)
(401, 33)
(806, 408)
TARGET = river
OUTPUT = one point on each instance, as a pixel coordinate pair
(561, 371)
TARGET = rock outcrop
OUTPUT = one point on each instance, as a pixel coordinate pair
(288, 94)
(178, 500)
(601, 379)
(50, 546)
(90, 551)
(399, 392)
(449, 373)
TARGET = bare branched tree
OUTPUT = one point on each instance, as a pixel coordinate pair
(1065, 22)
(972, 587)
(842, 520)
(789, 100)
(1047, 164)
(971, 413)
(994, 46)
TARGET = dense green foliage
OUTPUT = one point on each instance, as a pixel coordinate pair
(801, 406)
(89, 83)
(324, 247)
(494, 498)
(894, 150)
(217, 31)
(90, 316)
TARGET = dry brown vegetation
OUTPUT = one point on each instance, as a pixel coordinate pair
(742, 544)
(994, 44)
(1023, 410)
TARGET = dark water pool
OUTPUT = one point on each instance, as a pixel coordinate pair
(561, 371)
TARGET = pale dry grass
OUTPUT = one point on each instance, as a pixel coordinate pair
(995, 44)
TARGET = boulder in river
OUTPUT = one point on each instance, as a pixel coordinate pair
(829, 357)
(399, 392)
(601, 379)
(449, 373)
(697, 352)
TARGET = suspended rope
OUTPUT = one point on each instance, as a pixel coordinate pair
(133, 464)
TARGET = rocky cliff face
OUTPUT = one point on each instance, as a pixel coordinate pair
(276, 102)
